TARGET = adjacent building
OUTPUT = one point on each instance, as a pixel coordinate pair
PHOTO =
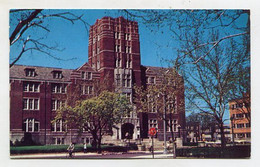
(240, 119)
(113, 58)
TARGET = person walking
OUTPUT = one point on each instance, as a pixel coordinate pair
(70, 149)
(85, 147)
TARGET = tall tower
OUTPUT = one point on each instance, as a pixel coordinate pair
(114, 51)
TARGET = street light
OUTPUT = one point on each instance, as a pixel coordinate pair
(164, 123)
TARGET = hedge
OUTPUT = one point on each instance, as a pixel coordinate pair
(216, 152)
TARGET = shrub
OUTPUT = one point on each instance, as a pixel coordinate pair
(215, 152)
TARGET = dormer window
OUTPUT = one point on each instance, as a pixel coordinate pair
(29, 72)
(152, 80)
(86, 75)
(57, 74)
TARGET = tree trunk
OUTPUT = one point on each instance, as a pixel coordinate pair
(222, 132)
(99, 141)
(95, 138)
(173, 144)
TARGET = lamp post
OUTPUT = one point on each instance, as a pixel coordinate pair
(164, 123)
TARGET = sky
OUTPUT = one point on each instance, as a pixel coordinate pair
(72, 39)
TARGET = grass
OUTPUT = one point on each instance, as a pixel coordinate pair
(63, 148)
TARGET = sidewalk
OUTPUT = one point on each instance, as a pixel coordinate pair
(104, 155)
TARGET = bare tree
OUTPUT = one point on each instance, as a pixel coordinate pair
(213, 46)
(22, 21)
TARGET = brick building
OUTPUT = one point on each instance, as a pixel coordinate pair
(240, 118)
(113, 57)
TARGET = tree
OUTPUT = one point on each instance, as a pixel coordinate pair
(205, 121)
(23, 21)
(97, 114)
(213, 54)
(161, 98)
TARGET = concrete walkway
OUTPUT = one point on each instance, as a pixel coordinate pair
(104, 155)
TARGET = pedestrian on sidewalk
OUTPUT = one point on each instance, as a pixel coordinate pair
(70, 149)
(85, 147)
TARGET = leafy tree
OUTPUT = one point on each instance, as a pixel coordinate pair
(161, 98)
(96, 115)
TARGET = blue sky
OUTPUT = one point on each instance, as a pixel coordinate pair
(73, 38)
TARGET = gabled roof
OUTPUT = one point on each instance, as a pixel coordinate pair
(42, 73)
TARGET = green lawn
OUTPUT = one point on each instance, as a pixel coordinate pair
(61, 148)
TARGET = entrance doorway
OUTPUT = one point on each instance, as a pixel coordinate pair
(127, 131)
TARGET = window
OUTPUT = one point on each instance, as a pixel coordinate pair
(117, 79)
(248, 125)
(151, 104)
(83, 75)
(57, 104)
(30, 72)
(128, 96)
(31, 125)
(248, 135)
(127, 37)
(117, 35)
(118, 61)
(153, 123)
(90, 90)
(239, 115)
(58, 88)
(30, 104)
(152, 80)
(58, 140)
(127, 49)
(240, 135)
(58, 126)
(117, 48)
(89, 75)
(128, 61)
(57, 74)
(174, 125)
(128, 80)
(240, 125)
(87, 90)
(30, 87)
(86, 75)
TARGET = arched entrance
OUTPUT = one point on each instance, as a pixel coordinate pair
(127, 131)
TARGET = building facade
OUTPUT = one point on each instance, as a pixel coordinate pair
(113, 58)
(240, 119)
